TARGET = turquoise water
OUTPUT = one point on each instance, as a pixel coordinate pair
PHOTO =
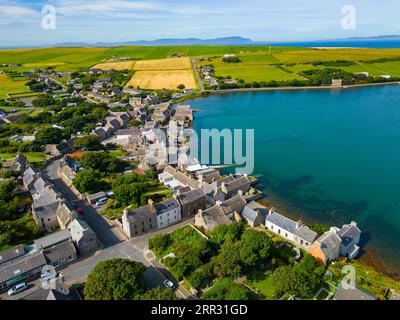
(327, 156)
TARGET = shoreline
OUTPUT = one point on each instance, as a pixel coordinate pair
(207, 93)
(378, 84)
(368, 257)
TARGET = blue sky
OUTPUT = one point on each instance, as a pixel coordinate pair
(125, 20)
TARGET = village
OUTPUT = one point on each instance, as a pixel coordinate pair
(104, 189)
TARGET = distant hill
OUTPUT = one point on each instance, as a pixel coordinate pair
(228, 41)
(381, 41)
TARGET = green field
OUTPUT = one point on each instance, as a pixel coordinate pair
(7, 85)
(258, 63)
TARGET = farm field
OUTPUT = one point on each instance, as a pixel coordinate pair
(163, 64)
(163, 79)
(8, 85)
(257, 62)
(122, 65)
(163, 74)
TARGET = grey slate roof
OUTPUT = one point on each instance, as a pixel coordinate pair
(11, 253)
(329, 240)
(349, 233)
(306, 233)
(21, 266)
(141, 212)
(213, 217)
(53, 239)
(191, 196)
(249, 214)
(282, 221)
(236, 203)
(167, 205)
(352, 294)
(285, 223)
(60, 251)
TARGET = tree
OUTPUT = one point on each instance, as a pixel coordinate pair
(90, 181)
(202, 276)
(227, 232)
(50, 135)
(103, 162)
(181, 86)
(90, 142)
(116, 279)
(135, 123)
(229, 260)
(159, 294)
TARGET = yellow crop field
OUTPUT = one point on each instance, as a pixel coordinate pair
(121, 65)
(163, 79)
(164, 64)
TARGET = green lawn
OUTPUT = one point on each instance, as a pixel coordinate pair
(31, 156)
(8, 85)
(180, 239)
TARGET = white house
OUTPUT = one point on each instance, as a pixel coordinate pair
(289, 229)
(168, 213)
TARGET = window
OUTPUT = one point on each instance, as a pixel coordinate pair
(70, 258)
(286, 235)
(279, 231)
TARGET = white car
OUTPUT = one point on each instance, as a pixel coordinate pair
(101, 202)
(48, 275)
(18, 288)
(169, 284)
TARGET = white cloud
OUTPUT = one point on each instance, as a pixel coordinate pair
(13, 11)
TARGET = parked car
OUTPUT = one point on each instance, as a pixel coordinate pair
(45, 276)
(18, 289)
(80, 211)
(169, 284)
(101, 202)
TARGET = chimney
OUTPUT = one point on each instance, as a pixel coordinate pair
(271, 210)
(240, 193)
(218, 203)
(353, 223)
(150, 202)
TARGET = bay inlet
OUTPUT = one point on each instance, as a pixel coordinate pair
(329, 156)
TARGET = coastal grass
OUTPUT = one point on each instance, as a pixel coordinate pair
(367, 278)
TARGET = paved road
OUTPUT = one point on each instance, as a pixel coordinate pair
(109, 235)
(196, 72)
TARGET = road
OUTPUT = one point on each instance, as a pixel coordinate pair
(196, 72)
(108, 234)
